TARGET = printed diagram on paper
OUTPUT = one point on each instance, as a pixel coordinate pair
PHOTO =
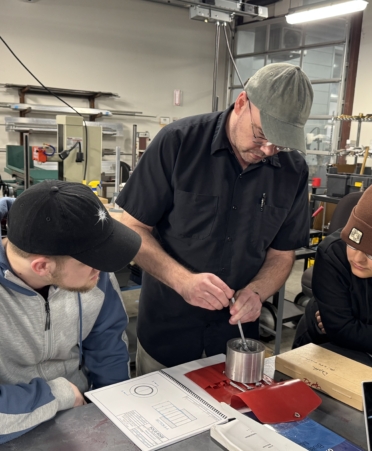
(154, 410)
(169, 416)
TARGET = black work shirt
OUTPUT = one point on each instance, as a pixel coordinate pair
(207, 213)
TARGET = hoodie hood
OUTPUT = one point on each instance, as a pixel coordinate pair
(7, 278)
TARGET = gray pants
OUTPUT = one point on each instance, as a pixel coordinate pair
(145, 363)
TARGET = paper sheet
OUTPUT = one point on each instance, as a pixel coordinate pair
(245, 434)
(154, 411)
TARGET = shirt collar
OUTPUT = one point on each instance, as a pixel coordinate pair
(274, 160)
(220, 140)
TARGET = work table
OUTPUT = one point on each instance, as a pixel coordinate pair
(86, 428)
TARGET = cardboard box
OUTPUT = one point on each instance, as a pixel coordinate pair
(114, 212)
(103, 199)
(326, 371)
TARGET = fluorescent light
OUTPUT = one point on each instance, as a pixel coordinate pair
(325, 10)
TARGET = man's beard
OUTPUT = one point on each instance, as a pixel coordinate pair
(56, 279)
(84, 289)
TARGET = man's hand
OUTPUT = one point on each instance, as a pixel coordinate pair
(247, 307)
(79, 399)
(207, 291)
(319, 321)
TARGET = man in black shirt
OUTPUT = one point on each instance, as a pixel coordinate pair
(220, 204)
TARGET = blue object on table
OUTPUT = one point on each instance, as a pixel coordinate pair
(313, 436)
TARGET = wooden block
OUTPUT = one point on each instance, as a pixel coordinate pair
(326, 371)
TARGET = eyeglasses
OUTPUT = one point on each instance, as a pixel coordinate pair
(262, 141)
(354, 249)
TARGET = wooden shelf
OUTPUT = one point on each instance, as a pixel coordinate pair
(30, 89)
(24, 90)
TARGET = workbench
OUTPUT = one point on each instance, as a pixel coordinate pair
(86, 428)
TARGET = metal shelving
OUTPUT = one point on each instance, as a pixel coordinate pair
(35, 125)
(22, 124)
(360, 119)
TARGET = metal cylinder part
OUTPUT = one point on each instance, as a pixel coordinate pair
(245, 366)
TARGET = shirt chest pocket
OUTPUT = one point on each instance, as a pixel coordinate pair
(265, 229)
(194, 214)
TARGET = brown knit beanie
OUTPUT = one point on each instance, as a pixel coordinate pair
(358, 230)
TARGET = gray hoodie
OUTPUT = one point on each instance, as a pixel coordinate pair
(85, 344)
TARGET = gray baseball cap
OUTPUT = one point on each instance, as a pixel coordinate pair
(283, 94)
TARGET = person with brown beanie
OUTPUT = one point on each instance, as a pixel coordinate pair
(341, 310)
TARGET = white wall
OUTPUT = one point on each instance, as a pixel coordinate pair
(363, 91)
(138, 49)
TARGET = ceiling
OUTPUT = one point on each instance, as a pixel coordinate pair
(215, 4)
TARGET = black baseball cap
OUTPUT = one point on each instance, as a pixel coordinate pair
(63, 218)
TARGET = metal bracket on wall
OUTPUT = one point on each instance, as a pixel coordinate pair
(33, 125)
(47, 109)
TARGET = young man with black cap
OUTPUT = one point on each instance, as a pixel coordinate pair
(221, 204)
(62, 319)
(341, 310)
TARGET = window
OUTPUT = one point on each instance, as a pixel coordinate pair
(319, 49)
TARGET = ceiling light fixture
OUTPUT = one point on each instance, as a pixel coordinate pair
(324, 10)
